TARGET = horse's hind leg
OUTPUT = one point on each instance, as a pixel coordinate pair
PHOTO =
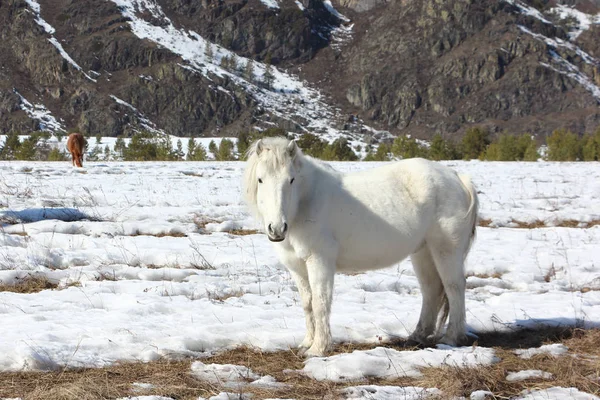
(432, 291)
(449, 261)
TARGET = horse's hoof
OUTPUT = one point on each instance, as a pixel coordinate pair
(455, 342)
(312, 352)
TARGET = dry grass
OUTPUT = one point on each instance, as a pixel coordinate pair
(29, 284)
(496, 275)
(21, 233)
(222, 297)
(579, 368)
(242, 232)
(568, 223)
(201, 221)
(159, 235)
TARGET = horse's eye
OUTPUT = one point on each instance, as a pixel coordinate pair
(259, 180)
(292, 181)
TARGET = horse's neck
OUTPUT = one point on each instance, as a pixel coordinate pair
(318, 180)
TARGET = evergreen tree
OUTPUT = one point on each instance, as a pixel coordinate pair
(56, 155)
(407, 147)
(474, 143)
(339, 150)
(438, 149)
(249, 70)
(226, 63)
(11, 146)
(564, 145)
(531, 153)
(212, 147)
(591, 147)
(311, 145)
(120, 146)
(27, 150)
(234, 63)
(268, 77)
(208, 52)
(225, 150)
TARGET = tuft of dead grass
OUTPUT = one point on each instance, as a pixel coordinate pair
(496, 275)
(568, 223)
(29, 284)
(242, 232)
(160, 234)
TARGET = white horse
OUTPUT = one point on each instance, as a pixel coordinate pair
(323, 222)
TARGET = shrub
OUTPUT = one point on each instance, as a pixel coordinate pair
(382, 153)
(474, 143)
(225, 151)
(339, 150)
(408, 147)
(512, 148)
(196, 152)
(27, 149)
(564, 145)
(56, 155)
(591, 147)
(147, 146)
(11, 146)
(120, 146)
(439, 149)
(311, 145)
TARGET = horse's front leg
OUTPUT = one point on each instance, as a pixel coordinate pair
(301, 279)
(320, 276)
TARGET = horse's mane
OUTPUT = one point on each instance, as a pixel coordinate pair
(274, 154)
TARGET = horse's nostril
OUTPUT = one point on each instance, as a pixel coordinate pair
(284, 228)
(270, 229)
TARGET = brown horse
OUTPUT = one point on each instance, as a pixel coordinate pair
(76, 146)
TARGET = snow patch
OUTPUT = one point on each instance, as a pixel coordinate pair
(528, 374)
(555, 350)
(383, 362)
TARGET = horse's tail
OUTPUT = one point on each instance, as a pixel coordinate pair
(443, 313)
(82, 142)
(473, 212)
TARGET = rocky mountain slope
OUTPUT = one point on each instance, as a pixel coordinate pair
(357, 68)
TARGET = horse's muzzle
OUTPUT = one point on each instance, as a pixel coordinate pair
(277, 235)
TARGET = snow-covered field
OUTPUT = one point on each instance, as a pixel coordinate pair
(150, 264)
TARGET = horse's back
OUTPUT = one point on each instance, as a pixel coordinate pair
(75, 142)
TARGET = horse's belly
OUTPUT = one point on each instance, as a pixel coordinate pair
(357, 256)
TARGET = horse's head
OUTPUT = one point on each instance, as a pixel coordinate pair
(272, 181)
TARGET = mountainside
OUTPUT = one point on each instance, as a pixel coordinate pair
(182, 66)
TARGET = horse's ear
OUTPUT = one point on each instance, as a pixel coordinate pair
(291, 148)
(259, 147)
